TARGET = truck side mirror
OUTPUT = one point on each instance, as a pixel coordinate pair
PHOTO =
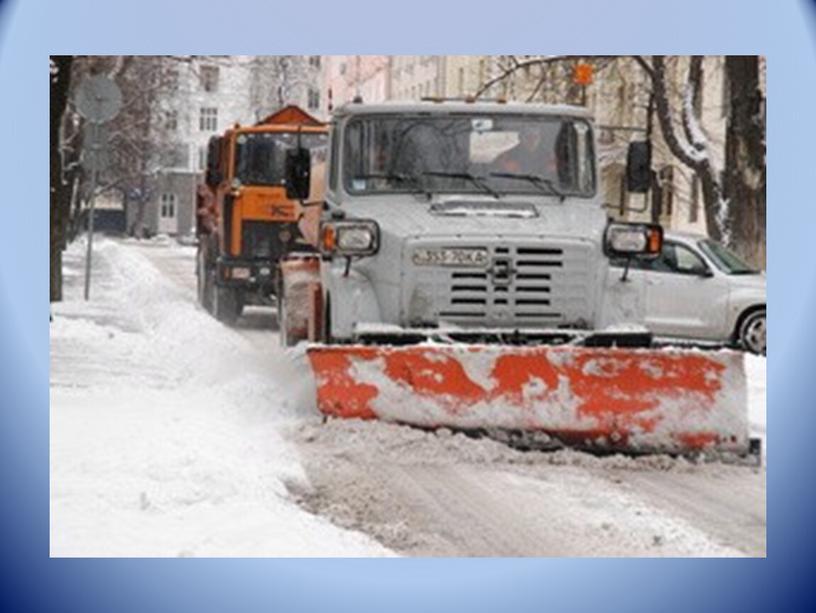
(639, 167)
(298, 173)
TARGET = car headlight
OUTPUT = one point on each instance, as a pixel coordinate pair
(450, 257)
(633, 239)
(352, 237)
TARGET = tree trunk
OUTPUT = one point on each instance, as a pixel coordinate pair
(688, 150)
(744, 180)
(60, 195)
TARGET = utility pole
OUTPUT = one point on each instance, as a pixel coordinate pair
(98, 100)
(96, 155)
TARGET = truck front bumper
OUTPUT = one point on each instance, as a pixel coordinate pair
(246, 273)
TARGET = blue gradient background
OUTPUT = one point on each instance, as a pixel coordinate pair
(30, 30)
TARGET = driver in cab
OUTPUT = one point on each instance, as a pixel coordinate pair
(530, 156)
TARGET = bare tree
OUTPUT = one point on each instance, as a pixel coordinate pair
(745, 167)
(139, 143)
(278, 80)
(60, 196)
(687, 141)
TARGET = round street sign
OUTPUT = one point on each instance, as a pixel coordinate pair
(98, 99)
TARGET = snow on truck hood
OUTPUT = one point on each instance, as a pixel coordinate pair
(458, 215)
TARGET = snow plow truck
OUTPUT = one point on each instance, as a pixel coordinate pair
(461, 278)
(245, 222)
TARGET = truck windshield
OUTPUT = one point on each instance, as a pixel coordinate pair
(725, 259)
(507, 153)
(260, 157)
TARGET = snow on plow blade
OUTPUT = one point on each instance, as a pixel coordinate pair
(633, 400)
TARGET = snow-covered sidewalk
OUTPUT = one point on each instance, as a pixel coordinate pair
(165, 427)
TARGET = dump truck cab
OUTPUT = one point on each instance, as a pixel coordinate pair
(247, 217)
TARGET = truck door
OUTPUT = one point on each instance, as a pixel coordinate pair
(683, 298)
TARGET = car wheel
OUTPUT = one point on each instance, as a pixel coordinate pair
(752, 332)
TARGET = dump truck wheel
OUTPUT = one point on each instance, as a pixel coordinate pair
(203, 282)
(226, 306)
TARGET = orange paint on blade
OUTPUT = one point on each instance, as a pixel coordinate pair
(615, 393)
(515, 372)
(338, 393)
(624, 384)
(431, 372)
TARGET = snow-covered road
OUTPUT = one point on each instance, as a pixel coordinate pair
(174, 435)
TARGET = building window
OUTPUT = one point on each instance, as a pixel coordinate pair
(171, 121)
(314, 99)
(167, 209)
(314, 60)
(202, 158)
(208, 119)
(209, 78)
(461, 84)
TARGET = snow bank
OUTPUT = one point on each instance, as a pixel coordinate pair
(165, 425)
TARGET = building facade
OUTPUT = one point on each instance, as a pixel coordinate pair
(205, 96)
(212, 93)
(618, 96)
(350, 76)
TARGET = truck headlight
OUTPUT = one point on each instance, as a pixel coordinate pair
(449, 257)
(352, 237)
(633, 239)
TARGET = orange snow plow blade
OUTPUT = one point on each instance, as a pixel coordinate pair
(633, 400)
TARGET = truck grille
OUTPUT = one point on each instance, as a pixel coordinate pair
(261, 239)
(523, 286)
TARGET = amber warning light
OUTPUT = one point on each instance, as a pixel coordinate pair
(582, 73)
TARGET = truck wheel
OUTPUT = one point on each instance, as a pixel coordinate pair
(753, 331)
(203, 281)
(226, 306)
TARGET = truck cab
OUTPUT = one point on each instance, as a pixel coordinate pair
(467, 218)
(247, 217)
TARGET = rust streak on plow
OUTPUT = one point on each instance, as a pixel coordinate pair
(627, 399)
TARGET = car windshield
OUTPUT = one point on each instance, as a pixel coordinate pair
(486, 153)
(260, 157)
(725, 259)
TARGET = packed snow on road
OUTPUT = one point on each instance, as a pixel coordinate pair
(174, 435)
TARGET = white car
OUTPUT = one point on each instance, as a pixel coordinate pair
(697, 289)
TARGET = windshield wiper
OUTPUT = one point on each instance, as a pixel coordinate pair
(539, 182)
(398, 178)
(477, 181)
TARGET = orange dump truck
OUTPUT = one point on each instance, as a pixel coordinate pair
(249, 215)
